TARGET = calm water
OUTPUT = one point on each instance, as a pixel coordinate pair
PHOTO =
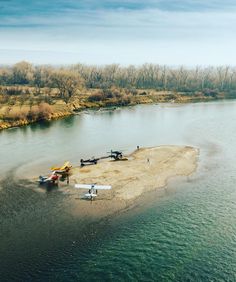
(186, 232)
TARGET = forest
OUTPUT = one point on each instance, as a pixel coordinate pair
(30, 93)
(68, 79)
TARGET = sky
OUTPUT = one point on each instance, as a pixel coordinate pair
(171, 32)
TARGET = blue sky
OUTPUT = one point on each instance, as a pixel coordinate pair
(184, 32)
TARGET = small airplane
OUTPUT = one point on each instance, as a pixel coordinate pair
(48, 179)
(63, 169)
(89, 161)
(116, 155)
(92, 193)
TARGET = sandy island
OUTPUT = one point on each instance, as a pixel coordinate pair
(145, 170)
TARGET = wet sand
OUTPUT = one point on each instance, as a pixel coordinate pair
(146, 170)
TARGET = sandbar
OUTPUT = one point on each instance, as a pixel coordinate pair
(145, 170)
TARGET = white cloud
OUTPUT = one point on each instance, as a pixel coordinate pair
(123, 36)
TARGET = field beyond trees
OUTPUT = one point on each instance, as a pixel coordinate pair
(31, 93)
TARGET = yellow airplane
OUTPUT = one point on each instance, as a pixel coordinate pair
(63, 169)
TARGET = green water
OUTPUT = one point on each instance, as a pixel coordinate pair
(185, 232)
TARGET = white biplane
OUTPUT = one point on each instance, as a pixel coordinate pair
(92, 192)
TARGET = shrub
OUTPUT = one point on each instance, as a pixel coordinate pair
(117, 93)
(96, 97)
(16, 114)
(107, 94)
(210, 93)
(33, 113)
(45, 111)
(12, 91)
(41, 112)
(125, 101)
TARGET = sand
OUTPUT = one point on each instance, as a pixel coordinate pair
(146, 169)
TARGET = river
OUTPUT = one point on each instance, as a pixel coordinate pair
(185, 232)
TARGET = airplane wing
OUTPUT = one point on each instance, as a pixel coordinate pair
(59, 171)
(53, 168)
(66, 164)
(43, 179)
(102, 187)
(89, 186)
(62, 168)
(83, 186)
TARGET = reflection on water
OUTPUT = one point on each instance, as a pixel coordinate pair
(185, 232)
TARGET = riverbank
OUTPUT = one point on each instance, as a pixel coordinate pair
(14, 112)
(146, 170)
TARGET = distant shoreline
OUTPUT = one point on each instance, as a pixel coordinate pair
(31, 93)
(80, 104)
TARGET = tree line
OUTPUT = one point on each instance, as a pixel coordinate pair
(69, 79)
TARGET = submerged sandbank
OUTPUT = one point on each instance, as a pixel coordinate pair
(145, 170)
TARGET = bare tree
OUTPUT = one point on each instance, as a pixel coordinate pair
(67, 82)
(22, 73)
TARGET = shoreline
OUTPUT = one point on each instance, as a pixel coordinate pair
(75, 107)
(130, 180)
